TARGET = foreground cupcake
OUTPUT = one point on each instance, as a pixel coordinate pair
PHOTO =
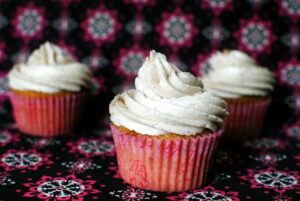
(166, 130)
(48, 92)
(246, 87)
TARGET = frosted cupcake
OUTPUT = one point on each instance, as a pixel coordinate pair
(246, 87)
(166, 130)
(48, 92)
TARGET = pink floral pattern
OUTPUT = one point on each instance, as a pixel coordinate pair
(289, 73)
(202, 65)
(92, 147)
(133, 194)
(292, 131)
(129, 61)
(100, 26)
(268, 158)
(217, 6)
(176, 29)
(21, 159)
(277, 180)
(81, 165)
(255, 36)
(60, 188)
(290, 8)
(207, 193)
(29, 22)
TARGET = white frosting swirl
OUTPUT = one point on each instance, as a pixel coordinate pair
(167, 100)
(231, 58)
(234, 74)
(50, 70)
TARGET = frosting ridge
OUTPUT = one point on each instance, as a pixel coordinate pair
(234, 74)
(50, 69)
(167, 100)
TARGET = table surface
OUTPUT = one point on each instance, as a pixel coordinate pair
(47, 169)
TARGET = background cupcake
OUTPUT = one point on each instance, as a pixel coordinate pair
(48, 92)
(166, 130)
(245, 86)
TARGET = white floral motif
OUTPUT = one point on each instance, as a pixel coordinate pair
(275, 179)
(255, 36)
(133, 194)
(81, 165)
(61, 188)
(30, 22)
(177, 29)
(291, 6)
(138, 27)
(207, 195)
(101, 25)
(64, 24)
(291, 74)
(21, 159)
(5, 179)
(95, 147)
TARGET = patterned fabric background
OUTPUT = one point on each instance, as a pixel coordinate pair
(113, 38)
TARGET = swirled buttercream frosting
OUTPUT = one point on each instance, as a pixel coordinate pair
(234, 74)
(166, 100)
(50, 69)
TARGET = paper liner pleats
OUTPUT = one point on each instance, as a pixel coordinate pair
(165, 164)
(245, 119)
(48, 115)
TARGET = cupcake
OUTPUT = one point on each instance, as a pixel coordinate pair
(48, 92)
(246, 87)
(167, 129)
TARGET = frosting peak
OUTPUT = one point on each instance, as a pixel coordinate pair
(50, 69)
(50, 54)
(158, 78)
(234, 74)
(167, 100)
(231, 58)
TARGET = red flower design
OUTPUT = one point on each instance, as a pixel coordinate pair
(29, 22)
(60, 188)
(100, 26)
(207, 193)
(92, 147)
(176, 29)
(21, 159)
(255, 36)
(280, 181)
(202, 65)
(288, 73)
(129, 61)
(217, 6)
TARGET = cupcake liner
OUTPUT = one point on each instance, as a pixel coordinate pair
(165, 164)
(245, 119)
(47, 115)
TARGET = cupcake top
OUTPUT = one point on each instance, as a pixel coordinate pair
(167, 100)
(50, 69)
(234, 74)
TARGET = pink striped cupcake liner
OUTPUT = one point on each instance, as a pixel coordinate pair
(167, 165)
(49, 115)
(245, 119)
